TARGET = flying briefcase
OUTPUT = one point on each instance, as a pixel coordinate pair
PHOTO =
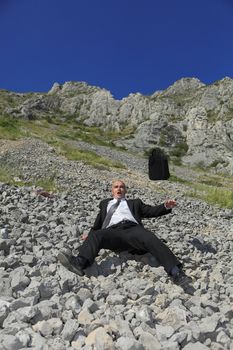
(158, 165)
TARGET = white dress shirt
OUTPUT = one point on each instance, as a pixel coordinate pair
(121, 213)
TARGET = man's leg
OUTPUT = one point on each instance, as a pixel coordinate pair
(124, 237)
(92, 245)
(140, 238)
(87, 253)
(110, 238)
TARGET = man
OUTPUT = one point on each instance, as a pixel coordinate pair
(118, 227)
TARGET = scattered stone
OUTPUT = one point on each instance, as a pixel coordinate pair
(125, 301)
(70, 329)
(100, 339)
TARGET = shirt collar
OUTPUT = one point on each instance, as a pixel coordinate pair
(115, 199)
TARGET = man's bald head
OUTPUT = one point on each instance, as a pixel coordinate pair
(118, 189)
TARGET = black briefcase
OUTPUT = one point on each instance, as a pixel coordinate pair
(158, 165)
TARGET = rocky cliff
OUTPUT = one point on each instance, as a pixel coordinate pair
(189, 120)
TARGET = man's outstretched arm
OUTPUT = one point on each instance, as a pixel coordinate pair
(150, 211)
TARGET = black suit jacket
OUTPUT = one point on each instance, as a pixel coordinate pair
(138, 209)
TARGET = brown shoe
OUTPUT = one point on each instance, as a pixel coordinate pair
(71, 263)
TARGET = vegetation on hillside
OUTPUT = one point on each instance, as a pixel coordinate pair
(57, 133)
(214, 189)
(11, 176)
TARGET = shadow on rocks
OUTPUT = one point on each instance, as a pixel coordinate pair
(201, 245)
(111, 264)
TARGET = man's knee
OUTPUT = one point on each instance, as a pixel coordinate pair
(94, 235)
(142, 232)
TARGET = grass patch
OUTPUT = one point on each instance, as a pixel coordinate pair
(86, 137)
(48, 129)
(47, 184)
(5, 175)
(54, 133)
(213, 195)
(88, 157)
(174, 178)
(176, 161)
(40, 129)
(213, 189)
(93, 135)
(10, 177)
(9, 128)
(12, 129)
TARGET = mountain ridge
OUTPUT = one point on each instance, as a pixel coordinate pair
(189, 120)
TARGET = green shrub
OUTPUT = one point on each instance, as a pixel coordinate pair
(216, 162)
(162, 140)
(148, 152)
(179, 150)
(176, 161)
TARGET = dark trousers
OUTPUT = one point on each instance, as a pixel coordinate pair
(127, 236)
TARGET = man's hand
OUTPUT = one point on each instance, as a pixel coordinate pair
(84, 236)
(170, 203)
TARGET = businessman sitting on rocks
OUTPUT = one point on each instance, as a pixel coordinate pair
(118, 227)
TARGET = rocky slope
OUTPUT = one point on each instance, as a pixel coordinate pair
(123, 302)
(189, 119)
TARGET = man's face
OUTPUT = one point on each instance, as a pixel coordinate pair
(118, 189)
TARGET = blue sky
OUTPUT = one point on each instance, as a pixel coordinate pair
(125, 46)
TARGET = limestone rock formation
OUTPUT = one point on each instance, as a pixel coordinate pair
(189, 119)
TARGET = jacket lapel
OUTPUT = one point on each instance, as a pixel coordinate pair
(104, 208)
(130, 205)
